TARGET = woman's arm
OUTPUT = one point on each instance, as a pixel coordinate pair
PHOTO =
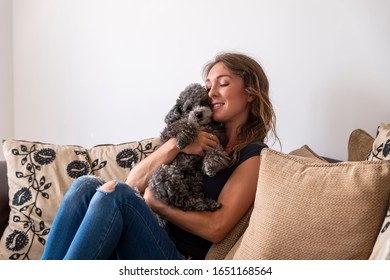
(236, 198)
(142, 171)
(140, 174)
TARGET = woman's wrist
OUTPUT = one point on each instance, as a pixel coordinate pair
(173, 149)
(141, 172)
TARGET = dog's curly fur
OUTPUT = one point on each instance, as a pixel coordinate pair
(180, 184)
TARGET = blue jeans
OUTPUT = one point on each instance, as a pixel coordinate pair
(96, 224)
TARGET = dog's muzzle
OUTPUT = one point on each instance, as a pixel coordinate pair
(201, 115)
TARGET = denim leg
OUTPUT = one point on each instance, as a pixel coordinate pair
(69, 216)
(120, 222)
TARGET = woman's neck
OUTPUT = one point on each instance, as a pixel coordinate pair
(231, 134)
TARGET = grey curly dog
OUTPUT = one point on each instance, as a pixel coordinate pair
(180, 184)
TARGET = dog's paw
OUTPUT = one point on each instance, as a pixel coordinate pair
(181, 142)
(213, 205)
(186, 135)
(215, 161)
(201, 204)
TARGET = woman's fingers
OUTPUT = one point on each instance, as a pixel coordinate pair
(209, 139)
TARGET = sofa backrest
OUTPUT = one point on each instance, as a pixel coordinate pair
(4, 201)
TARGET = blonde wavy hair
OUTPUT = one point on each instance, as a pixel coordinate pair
(261, 124)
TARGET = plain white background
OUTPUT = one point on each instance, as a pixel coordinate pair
(89, 72)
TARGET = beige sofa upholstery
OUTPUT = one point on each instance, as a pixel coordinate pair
(306, 207)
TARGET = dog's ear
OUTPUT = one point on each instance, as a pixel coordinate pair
(173, 115)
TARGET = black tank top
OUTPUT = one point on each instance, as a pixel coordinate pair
(191, 245)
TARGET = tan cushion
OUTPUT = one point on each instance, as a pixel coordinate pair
(315, 210)
(221, 249)
(38, 176)
(381, 151)
(359, 145)
(308, 154)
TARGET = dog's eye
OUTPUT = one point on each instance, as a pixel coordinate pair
(189, 108)
(204, 103)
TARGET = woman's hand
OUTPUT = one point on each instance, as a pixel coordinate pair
(203, 142)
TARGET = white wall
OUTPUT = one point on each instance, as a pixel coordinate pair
(89, 72)
(6, 99)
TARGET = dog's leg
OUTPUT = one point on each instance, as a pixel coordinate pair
(214, 161)
(184, 131)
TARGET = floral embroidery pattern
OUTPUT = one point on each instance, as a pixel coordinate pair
(128, 157)
(35, 185)
(382, 151)
(27, 197)
(381, 146)
(387, 224)
(79, 168)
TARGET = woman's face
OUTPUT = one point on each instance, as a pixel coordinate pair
(230, 101)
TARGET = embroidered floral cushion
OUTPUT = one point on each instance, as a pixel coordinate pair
(381, 151)
(381, 146)
(39, 174)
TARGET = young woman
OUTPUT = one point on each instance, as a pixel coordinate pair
(103, 220)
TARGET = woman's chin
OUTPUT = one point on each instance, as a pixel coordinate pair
(217, 118)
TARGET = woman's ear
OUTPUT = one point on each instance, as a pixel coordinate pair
(173, 115)
(250, 98)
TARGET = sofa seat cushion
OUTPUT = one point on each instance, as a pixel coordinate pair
(315, 210)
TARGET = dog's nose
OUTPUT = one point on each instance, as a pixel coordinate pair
(199, 115)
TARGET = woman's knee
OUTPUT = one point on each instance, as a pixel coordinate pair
(111, 186)
(123, 191)
(108, 187)
(84, 185)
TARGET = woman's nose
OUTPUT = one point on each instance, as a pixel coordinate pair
(212, 92)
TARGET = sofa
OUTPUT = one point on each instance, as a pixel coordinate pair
(306, 206)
